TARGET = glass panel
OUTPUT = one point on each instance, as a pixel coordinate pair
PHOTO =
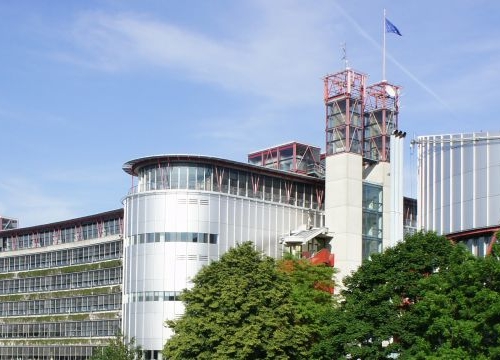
(203, 238)
(371, 246)
(233, 182)
(192, 183)
(242, 183)
(208, 179)
(268, 188)
(174, 178)
(213, 239)
(372, 197)
(307, 196)
(224, 173)
(169, 237)
(300, 195)
(200, 178)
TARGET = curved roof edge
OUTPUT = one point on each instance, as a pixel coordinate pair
(130, 167)
(460, 235)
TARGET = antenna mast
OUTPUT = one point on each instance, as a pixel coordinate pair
(344, 55)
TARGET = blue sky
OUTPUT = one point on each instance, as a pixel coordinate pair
(88, 85)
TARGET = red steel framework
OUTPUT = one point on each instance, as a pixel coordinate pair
(344, 94)
(294, 157)
(360, 119)
(381, 119)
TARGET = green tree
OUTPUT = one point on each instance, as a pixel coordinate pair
(240, 307)
(312, 287)
(423, 299)
(458, 316)
(370, 320)
(119, 349)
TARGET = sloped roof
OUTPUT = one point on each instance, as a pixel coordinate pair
(304, 236)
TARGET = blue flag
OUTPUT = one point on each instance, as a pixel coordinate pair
(391, 28)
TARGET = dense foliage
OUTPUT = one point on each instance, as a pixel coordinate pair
(246, 307)
(458, 316)
(119, 349)
(423, 299)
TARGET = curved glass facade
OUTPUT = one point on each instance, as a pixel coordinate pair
(220, 179)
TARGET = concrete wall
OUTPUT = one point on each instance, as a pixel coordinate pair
(343, 209)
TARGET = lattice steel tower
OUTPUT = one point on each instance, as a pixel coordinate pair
(363, 171)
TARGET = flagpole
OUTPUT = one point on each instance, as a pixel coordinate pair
(383, 50)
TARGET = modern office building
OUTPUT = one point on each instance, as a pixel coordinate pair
(60, 287)
(67, 287)
(459, 187)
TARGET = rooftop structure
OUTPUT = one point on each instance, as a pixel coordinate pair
(8, 223)
(294, 157)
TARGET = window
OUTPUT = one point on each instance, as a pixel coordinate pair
(183, 177)
(233, 182)
(213, 239)
(203, 238)
(192, 182)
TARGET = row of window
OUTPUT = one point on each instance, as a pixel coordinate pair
(229, 181)
(154, 296)
(62, 236)
(60, 329)
(62, 306)
(81, 255)
(174, 237)
(78, 280)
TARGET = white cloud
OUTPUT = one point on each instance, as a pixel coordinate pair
(280, 56)
(27, 201)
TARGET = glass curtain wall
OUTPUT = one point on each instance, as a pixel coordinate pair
(229, 181)
(372, 219)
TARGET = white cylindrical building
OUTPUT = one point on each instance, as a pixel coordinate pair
(459, 186)
(188, 210)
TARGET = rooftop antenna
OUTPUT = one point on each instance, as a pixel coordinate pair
(344, 55)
